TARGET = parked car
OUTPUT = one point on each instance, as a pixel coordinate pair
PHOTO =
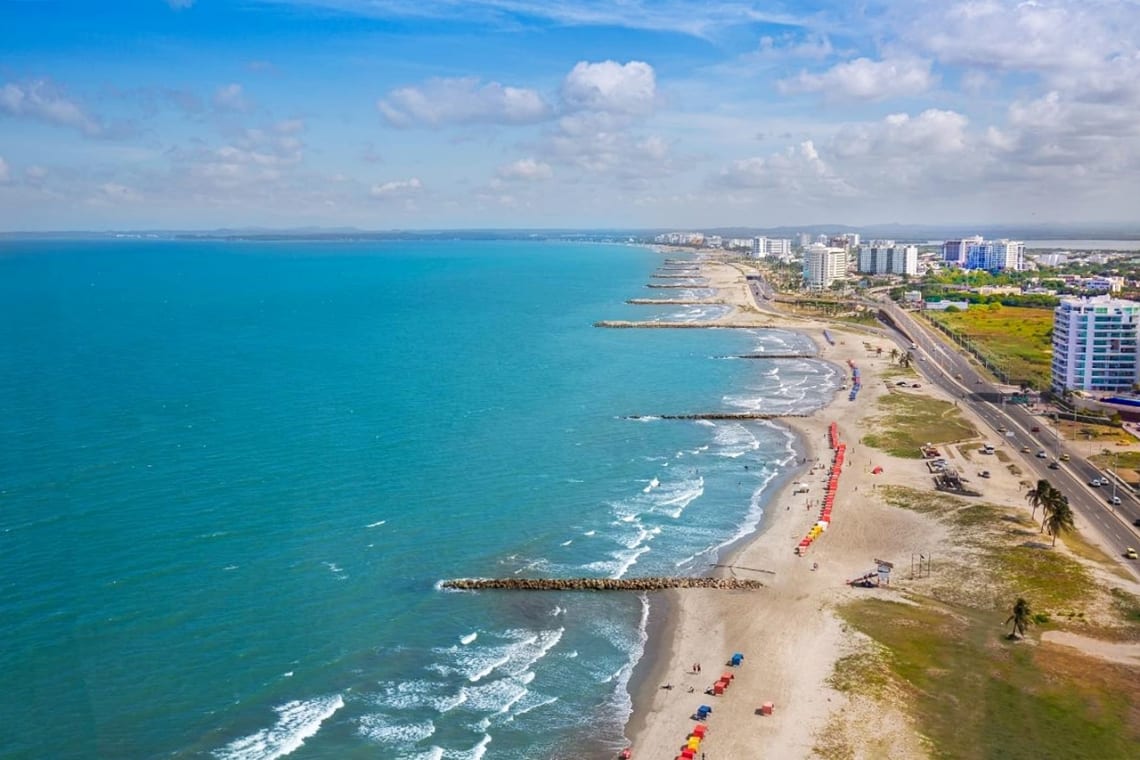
(1130, 553)
(1041, 454)
(984, 474)
(901, 383)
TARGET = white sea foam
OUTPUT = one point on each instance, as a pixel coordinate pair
(589, 533)
(465, 640)
(567, 543)
(383, 729)
(376, 524)
(296, 722)
(652, 484)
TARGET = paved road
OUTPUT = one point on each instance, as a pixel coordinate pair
(1014, 426)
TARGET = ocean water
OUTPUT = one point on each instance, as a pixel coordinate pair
(232, 475)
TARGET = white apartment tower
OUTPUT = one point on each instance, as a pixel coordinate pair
(886, 257)
(824, 265)
(1094, 344)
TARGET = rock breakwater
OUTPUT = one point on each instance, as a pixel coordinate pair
(599, 584)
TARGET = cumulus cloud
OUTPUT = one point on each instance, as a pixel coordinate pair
(865, 79)
(41, 101)
(462, 100)
(396, 188)
(798, 170)
(525, 169)
(610, 87)
(3, 170)
(231, 97)
(1015, 35)
(933, 131)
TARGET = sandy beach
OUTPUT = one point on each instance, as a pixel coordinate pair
(789, 632)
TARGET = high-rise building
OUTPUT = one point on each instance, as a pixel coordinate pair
(886, 257)
(1094, 344)
(994, 255)
(779, 247)
(954, 251)
(765, 246)
(824, 265)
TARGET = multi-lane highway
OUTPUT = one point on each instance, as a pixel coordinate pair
(1014, 425)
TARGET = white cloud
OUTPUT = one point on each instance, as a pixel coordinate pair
(35, 174)
(865, 79)
(463, 100)
(3, 170)
(41, 101)
(932, 132)
(1022, 35)
(525, 169)
(231, 97)
(396, 188)
(798, 170)
(817, 46)
(179, 5)
(611, 87)
(116, 193)
(704, 20)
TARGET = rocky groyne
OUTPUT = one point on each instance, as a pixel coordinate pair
(599, 584)
(619, 324)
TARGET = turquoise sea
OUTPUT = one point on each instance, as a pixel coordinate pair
(232, 475)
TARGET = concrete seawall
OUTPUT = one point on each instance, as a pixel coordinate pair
(599, 584)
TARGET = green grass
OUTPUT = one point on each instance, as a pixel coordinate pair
(1008, 556)
(976, 695)
(1125, 460)
(907, 422)
(1015, 339)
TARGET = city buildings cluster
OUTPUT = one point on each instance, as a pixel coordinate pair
(977, 253)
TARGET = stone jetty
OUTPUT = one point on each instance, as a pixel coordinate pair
(619, 324)
(674, 302)
(599, 584)
(674, 285)
(672, 276)
(716, 416)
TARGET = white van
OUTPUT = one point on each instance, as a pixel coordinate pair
(988, 448)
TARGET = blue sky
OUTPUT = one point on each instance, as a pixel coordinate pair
(386, 114)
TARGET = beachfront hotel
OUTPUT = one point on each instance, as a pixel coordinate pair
(1094, 344)
(885, 257)
(824, 265)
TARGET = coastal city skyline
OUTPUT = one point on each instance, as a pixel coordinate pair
(178, 114)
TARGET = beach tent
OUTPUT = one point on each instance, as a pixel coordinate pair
(718, 687)
(700, 729)
(737, 658)
(726, 676)
(766, 708)
(703, 712)
(877, 471)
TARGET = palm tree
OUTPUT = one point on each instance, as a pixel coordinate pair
(1060, 518)
(1021, 617)
(1039, 495)
(894, 355)
(1053, 501)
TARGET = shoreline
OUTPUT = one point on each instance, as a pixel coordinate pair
(692, 626)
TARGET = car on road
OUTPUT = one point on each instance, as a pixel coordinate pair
(1114, 501)
(1064, 457)
(1095, 483)
(1054, 465)
(1130, 553)
(1136, 522)
(1025, 449)
(1041, 454)
(1035, 429)
(1003, 429)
